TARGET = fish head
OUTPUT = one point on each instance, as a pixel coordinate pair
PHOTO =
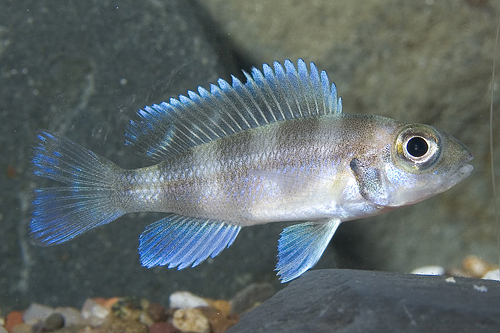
(420, 162)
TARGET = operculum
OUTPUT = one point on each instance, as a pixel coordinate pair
(371, 181)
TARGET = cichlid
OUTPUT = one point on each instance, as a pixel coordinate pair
(276, 148)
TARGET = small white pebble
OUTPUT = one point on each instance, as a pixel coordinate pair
(94, 313)
(429, 270)
(451, 279)
(92, 309)
(482, 289)
(492, 275)
(184, 299)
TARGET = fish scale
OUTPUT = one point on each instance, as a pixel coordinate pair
(275, 148)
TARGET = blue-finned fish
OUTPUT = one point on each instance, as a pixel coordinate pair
(276, 148)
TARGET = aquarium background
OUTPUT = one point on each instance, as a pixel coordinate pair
(83, 68)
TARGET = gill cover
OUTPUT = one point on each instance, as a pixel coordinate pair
(370, 181)
(403, 169)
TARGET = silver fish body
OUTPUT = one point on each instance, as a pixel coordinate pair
(277, 148)
(292, 171)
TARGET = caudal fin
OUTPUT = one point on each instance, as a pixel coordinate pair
(87, 200)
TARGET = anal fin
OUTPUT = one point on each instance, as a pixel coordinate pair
(179, 241)
(301, 245)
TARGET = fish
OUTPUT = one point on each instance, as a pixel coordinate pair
(277, 148)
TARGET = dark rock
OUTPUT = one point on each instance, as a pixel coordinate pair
(365, 301)
(53, 322)
(253, 294)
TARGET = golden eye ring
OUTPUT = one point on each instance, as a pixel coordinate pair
(418, 146)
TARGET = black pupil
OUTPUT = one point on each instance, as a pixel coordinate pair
(417, 146)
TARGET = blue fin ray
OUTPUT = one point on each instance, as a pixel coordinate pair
(290, 92)
(60, 159)
(62, 213)
(301, 245)
(179, 241)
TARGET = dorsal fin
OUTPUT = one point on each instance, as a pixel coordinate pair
(167, 129)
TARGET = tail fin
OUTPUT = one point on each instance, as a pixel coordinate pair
(62, 213)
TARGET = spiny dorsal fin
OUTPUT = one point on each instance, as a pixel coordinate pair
(167, 129)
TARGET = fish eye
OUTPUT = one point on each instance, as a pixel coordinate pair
(418, 146)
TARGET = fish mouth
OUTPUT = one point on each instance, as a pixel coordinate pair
(453, 179)
(463, 172)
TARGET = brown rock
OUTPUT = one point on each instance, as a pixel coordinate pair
(220, 321)
(163, 327)
(13, 318)
(116, 325)
(222, 306)
(22, 328)
(157, 312)
(476, 266)
(191, 320)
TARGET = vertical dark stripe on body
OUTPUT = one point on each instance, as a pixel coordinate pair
(302, 132)
(235, 157)
(295, 140)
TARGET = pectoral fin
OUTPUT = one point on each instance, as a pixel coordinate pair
(301, 245)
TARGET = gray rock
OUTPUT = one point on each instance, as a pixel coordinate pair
(365, 301)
